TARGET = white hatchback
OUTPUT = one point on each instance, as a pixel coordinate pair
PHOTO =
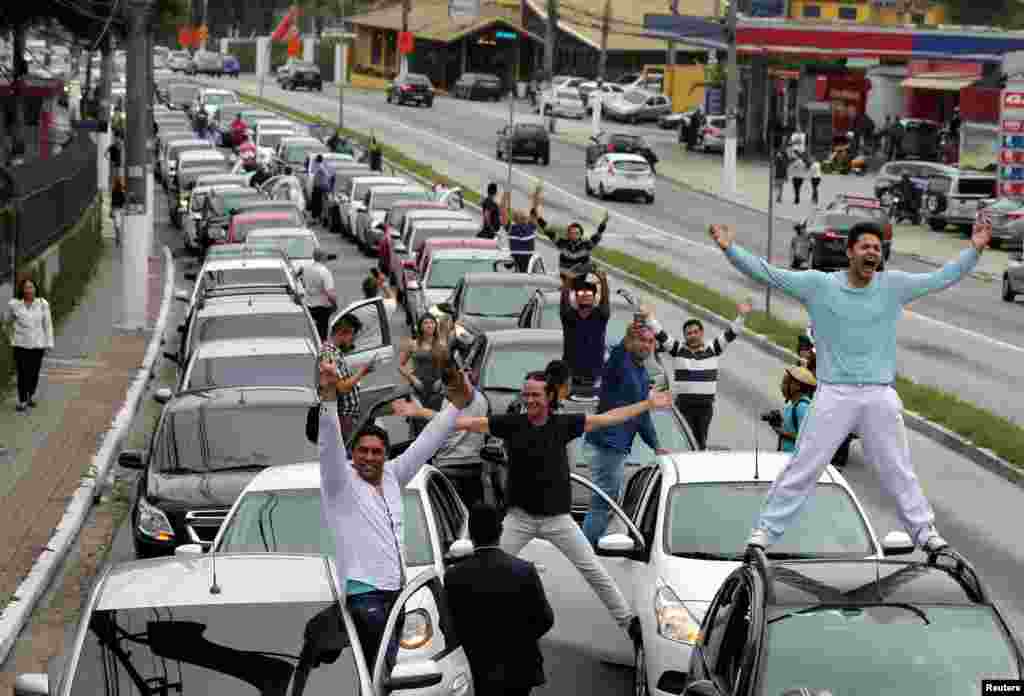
(617, 173)
(679, 532)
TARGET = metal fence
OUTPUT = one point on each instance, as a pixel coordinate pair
(50, 196)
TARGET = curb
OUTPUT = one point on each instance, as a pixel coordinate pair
(982, 457)
(46, 565)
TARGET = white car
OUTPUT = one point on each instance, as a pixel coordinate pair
(171, 150)
(563, 102)
(298, 244)
(617, 173)
(241, 272)
(248, 623)
(210, 99)
(251, 362)
(679, 532)
(266, 139)
(285, 187)
(353, 201)
(377, 202)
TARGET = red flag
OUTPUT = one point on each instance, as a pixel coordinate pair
(286, 23)
(294, 46)
(185, 36)
(405, 42)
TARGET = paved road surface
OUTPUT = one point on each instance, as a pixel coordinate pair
(965, 340)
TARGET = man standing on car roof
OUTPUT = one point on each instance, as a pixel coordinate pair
(854, 312)
(585, 326)
(361, 499)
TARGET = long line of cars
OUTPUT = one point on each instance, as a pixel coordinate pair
(229, 469)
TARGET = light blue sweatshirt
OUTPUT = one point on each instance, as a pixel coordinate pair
(854, 328)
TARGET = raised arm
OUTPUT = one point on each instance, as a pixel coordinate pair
(335, 468)
(473, 424)
(595, 239)
(605, 292)
(425, 446)
(913, 286)
(622, 414)
(734, 329)
(801, 285)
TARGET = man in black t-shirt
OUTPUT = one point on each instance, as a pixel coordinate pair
(491, 213)
(585, 326)
(539, 495)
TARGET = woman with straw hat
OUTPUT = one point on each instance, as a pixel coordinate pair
(798, 386)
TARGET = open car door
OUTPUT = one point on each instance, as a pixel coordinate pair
(373, 342)
(442, 669)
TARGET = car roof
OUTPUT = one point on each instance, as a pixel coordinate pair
(625, 157)
(234, 348)
(257, 216)
(223, 179)
(282, 232)
(398, 180)
(554, 298)
(230, 397)
(734, 466)
(425, 205)
(300, 139)
(263, 578)
(444, 244)
(506, 337)
(412, 188)
(216, 90)
(180, 142)
(450, 223)
(801, 583)
(509, 278)
(243, 262)
(237, 305)
(201, 156)
(442, 212)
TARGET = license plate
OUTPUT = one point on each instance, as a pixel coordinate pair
(633, 176)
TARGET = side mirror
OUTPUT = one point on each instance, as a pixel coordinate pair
(704, 687)
(332, 257)
(181, 295)
(897, 544)
(417, 674)
(32, 684)
(162, 395)
(616, 546)
(460, 548)
(189, 550)
(130, 459)
(172, 357)
(445, 307)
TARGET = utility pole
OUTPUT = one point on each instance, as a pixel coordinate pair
(342, 73)
(603, 60)
(404, 64)
(670, 57)
(550, 40)
(134, 252)
(732, 93)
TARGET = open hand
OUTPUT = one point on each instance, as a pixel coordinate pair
(660, 399)
(404, 408)
(723, 235)
(981, 236)
(460, 391)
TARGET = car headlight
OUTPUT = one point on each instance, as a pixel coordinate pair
(677, 621)
(153, 522)
(417, 629)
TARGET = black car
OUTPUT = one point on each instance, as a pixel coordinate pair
(206, 448)
(852, 627)
(524, 140)
(478, 86)
(820, 240)
(605, 142)
(301, 74)
(411, 89)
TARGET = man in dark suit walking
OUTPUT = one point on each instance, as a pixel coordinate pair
(493, 588)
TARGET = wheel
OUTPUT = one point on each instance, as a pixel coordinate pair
(389, 98)
(640, 687)
(547, 158)
(586, 186)
(601, 193)
(649, 198)
(1008, 294)
(429, 103)
(937, 225)
(497, 153)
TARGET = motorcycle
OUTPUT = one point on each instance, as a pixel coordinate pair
(901, 210)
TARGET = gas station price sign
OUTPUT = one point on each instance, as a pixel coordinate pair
(1011, 143)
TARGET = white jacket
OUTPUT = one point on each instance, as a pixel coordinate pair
(30, 325)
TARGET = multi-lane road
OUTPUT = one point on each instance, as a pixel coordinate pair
(965, 340)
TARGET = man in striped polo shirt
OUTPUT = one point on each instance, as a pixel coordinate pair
(695, 369)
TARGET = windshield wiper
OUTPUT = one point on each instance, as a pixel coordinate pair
(786, 556)
(241, 467)
(708, 556)
(918, 611)
(186, 470)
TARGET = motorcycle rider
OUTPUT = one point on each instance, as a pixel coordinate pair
(908, 203)
(239, 131)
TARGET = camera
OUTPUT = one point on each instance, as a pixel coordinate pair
(773, 418)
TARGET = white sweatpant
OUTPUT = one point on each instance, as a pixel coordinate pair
(875, 413)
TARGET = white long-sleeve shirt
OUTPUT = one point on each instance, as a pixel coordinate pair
(695, 373)
(31, 325)
(367, 521)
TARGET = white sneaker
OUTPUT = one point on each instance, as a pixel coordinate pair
(934, 543)
(759, 538)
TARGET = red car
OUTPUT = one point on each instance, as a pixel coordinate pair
(393, 225)
(242, 224)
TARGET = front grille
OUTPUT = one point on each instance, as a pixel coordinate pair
(202, 525)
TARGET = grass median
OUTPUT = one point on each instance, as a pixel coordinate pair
(980, 426)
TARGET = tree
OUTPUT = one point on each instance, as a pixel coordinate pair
(1008, 14)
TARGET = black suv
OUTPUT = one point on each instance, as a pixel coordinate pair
(524, 140)
(301, 74)
(852, 627)
(619, 142)
(207, 446)
(478, 86)
(412, 89)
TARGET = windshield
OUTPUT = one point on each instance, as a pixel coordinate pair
(272, 139)
(634, 98)
(671, 436)
(250, 434)
(446, 273)
(828, 525)
(297, 153)
(978, 187)
(225, 202)
(242, 229)
(253, 370)
(568, 95)
(632, 167)
(295, 247)
(359, 190)
(507, 366)
(290, 522)
(218, 648)
(887, 651)
(180, 94)
(207, 165)
(217, 99)
(252, 326)
(496, 300)
(384, 201)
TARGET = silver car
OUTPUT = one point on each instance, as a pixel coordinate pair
(637, 106)
(564, 102)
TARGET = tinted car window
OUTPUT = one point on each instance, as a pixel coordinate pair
(977, 187)
(252, 370)
(384, 201)
(507, 366)
(446, 273)
(293, 246)
(829, 524)
(420, 80)
(250, 326)
(248, 435)
(229, 650)
(290, 522)
(496, 300)
(242, 229)
(888, 650)
(243, 276)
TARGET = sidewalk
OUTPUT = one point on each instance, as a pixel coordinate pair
(82, 387)
(703, 172)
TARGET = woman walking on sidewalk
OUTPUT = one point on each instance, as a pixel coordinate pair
(31, 335)
(118, 196)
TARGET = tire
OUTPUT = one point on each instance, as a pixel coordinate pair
(429, 104)
(640, 685)
(497, 154)
(601, 193)
(388, 99)
(937, 225)
(649, 199)
(547, 158)
(1008, 294)
(586, 186)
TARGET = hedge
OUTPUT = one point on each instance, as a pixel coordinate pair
(80, 251)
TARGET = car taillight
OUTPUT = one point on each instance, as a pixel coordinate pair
(832, 234)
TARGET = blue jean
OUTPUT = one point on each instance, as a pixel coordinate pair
(607, 468)
(370, 612)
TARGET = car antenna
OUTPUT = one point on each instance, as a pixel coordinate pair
(757, 476)
(214, 587)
